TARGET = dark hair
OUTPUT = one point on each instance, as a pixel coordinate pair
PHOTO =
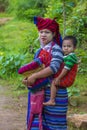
(74, 40)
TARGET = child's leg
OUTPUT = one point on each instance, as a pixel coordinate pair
(52, 96)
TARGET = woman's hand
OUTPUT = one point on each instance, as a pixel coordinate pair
(31, 80)
(24, 81)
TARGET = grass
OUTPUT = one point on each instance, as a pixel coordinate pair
(2, 15)
(81, 82)
(15, 35)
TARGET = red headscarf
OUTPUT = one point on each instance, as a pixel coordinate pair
(50, 24)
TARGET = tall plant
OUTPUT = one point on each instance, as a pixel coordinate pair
(61, 10)
(3, 5)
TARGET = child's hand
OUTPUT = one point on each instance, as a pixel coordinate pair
(57, 81)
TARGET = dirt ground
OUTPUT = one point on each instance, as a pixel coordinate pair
(12, 111)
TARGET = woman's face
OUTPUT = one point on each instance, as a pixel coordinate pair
(45, 36)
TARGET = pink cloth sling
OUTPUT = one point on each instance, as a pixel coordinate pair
(36, 102)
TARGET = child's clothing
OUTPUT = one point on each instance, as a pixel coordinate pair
(70, 60)
(71, 64)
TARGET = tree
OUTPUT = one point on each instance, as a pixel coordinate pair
(3, 5)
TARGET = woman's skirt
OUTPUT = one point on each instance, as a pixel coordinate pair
(54, 117)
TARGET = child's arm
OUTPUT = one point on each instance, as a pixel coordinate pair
(62, 74)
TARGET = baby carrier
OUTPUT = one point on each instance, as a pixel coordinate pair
(69, 78)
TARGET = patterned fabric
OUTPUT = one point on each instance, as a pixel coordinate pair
(69, 78)
(37, 64)
(42, 60)
(49, 112)
(30, 68)
(46, 53)
(70, 60)
(57, 57)
(45, 57)
(70, 63)
(54, 117)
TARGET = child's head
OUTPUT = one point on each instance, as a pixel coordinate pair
(69, 44)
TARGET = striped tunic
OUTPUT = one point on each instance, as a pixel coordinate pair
(54, 117)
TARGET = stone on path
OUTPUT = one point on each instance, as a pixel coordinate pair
(78, 121)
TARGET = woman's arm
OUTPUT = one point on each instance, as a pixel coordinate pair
(41, 74)
(57, 58)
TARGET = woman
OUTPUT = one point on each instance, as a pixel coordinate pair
(54, 117)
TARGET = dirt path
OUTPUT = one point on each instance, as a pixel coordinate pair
(12, 111)
(4, 20)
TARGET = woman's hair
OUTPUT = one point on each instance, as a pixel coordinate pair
(74, 40)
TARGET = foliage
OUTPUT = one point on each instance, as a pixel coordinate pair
(82, 55)
(26, 13)
(19, 39)
(3, 5)
(27, 9)
(75, 23)
(73, 91)
(17, 36)
(9, 64)
(56, 9)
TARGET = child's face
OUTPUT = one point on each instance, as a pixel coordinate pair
(46, 36)
(68, 47)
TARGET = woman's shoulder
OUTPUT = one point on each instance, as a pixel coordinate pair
(37, 53)
(56, 47)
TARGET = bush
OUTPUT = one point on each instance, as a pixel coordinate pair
(9, 64)
(25, 13)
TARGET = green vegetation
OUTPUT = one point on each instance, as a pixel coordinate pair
(18, 38)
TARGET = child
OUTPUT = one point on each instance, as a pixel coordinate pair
(70, 59)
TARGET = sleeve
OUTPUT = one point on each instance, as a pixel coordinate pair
(57, 58)
(37, 53)
(70, 61)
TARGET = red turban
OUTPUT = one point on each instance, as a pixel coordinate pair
(50, 24)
